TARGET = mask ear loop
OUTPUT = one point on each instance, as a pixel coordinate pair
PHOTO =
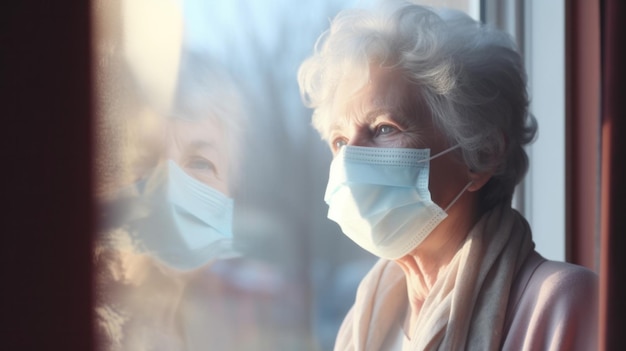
(459, 195)
(445, 151)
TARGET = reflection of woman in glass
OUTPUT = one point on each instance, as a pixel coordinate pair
(191, 185)
(186, 169)
(159, 283)
(426, 113)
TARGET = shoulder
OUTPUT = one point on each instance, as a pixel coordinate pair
(564, 279)
(554, 308)
(564, 289)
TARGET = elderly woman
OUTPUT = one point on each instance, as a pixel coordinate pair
(426, 113)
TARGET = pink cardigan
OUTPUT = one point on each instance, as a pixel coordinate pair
(553, 306)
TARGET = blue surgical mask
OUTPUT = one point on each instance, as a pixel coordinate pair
(380, 198)
(202, 218)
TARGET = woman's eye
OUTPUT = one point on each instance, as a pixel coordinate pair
(200, 164)
(338, 143)
(385, 129)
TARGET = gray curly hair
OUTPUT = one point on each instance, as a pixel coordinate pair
(470, 77)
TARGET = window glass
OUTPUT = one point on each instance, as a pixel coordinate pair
(544, 204)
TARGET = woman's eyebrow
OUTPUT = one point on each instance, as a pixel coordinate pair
(394, 115)
(201, 144)
(367, 117)
(373, 115)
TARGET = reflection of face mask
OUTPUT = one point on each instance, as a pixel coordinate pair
(202, 215)
(380, 198)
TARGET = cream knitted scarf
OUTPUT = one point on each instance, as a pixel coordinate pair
(465, 309)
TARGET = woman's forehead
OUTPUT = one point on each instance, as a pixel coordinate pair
(191, 132)
(386, 93)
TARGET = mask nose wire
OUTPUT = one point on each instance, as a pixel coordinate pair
(458, 196)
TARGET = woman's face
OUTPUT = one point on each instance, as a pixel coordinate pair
(388, 112)
(200, 148)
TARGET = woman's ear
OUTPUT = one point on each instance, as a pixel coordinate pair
(479, 179)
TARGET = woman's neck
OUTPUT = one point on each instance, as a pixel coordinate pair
(429, 261)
